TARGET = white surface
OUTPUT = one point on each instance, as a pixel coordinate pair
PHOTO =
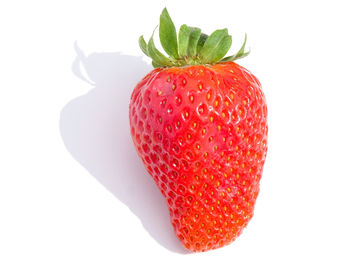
(71, 186)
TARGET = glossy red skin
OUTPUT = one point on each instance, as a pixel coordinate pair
(201, 132)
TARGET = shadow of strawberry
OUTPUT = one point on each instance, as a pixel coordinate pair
(95, 130)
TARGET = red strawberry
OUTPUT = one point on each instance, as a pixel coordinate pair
(199, 124)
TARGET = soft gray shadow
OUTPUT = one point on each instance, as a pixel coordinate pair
(95, 130)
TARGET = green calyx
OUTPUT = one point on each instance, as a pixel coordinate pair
(190, 47)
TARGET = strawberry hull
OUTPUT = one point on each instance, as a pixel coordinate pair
(201, 132)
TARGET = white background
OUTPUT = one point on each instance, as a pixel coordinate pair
(71, 186)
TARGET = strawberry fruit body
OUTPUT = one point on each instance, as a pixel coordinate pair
(199, 124)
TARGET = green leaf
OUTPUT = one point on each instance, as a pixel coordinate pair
(241, 50)
(234, 57)
(203, 37)
(167, 34)
(240, 53)
(143, 45)
(222, 49)
(188, 39)
(216, 46)
(155, 65)
(244, 54)
(193, 41)
(156, 55)
(184, 37)
(229, 58)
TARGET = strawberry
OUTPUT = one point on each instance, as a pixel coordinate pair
(198, 122)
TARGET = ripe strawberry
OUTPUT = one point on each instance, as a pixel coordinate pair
(199, 124)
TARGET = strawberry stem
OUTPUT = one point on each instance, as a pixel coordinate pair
(191, 47)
